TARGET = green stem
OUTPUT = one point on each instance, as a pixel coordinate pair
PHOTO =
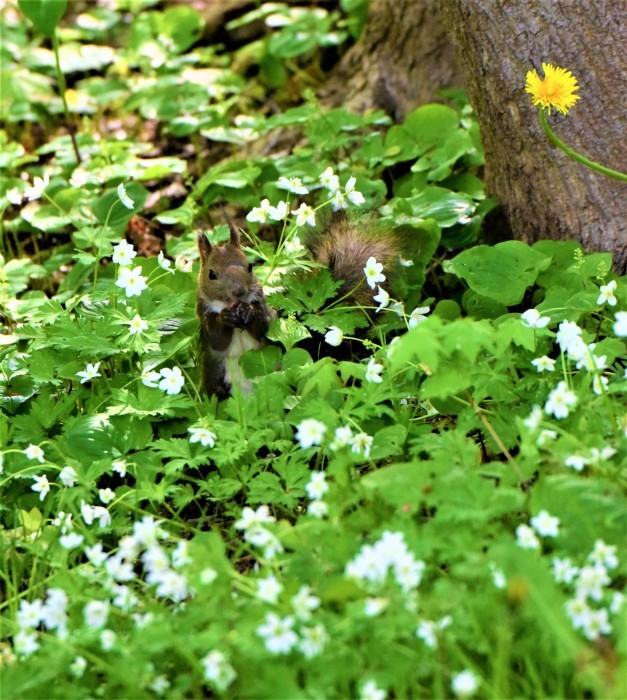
(577, 156)
(62, 88)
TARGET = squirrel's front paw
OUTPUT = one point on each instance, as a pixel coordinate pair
(238, 315)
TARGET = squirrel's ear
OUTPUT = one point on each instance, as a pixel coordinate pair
(203, 245)
(234, 239)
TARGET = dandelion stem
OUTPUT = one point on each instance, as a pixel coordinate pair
(577, 156)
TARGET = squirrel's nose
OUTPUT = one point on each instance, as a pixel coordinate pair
(239, 291)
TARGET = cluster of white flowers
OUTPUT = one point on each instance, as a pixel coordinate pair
(253, 524)
(360, 444)
(218, 670)
(316, 488)
(388, 554)
(544, 524)
(52, 614)
(281, 635)
(170, 380)
(590, 583)
(569, 338)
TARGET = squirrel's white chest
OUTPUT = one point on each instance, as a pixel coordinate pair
(241, 342)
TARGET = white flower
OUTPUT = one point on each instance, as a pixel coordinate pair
(164, 263)
(355, 197)
(206, 437)
(498, 577)
(334, 336)
(124, 198)
(368, 565)
(131, 281)
(71, 541)
(90, 372)
(599, 384)
(564, 571)
(591, 582)
(310, 432)
(544, 364)
(293, 246)
(150, 378)
(119, 467)
(329, 180)
(560, 401)
(172, 585)
(172, 381)
(14, 196)
(464, 684)
(269, 589)
(343, 437)
(545, 437)
(148, 531)
(278, 634)
(317, 486)
(373, 371)
(417, 316)
(95, 554)
(371, 691)
(41, 486)
(568, 336)
(618, 599)
(312, 641)
(293, 184)
(159, 684)
(362, 444)
(578, 611)
(375, 606)
(260, 214)
(96, 613)
(107, 639)
(120, 570)
(34, 452)
(79, 178)
(123, 253)
(534, 419)
(305, 215)
(526, 537)
(25, 643)
(37, 189)
(607, 294)
(303, 603)
(68, 476)
(137, 325)
(532, 319)
(545, 525)
(318, 509)
(218, 670)
(106, 495)
(620, 327)
(426, 631)
(30, 614)
(604, 555)
(54, 614)
(382, 298)
(596, 624)
(279, 212)
(374, 272)
(254, 518)
(260, 537)
(576, 462)
(408, 571)
(78, 666)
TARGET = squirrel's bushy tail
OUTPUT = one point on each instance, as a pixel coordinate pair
(345, 245)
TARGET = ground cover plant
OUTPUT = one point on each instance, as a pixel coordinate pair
(422, 501)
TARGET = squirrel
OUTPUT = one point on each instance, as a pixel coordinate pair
(233, 314)
(231, 304)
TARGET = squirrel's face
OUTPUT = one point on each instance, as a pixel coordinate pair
(225, 277)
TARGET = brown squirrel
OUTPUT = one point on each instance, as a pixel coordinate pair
(232, 311)
(231, 305)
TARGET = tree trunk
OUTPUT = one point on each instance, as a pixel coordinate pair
(399, 62)
(545, 194)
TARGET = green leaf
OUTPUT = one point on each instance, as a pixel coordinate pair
(44, 14)
(502, 272)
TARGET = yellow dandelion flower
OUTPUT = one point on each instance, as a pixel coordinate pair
(555, 90)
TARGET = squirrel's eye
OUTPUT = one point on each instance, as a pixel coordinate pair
(250, 267)
(212, 275)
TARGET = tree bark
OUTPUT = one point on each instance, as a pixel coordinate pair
(401, 59)
(544, 193)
